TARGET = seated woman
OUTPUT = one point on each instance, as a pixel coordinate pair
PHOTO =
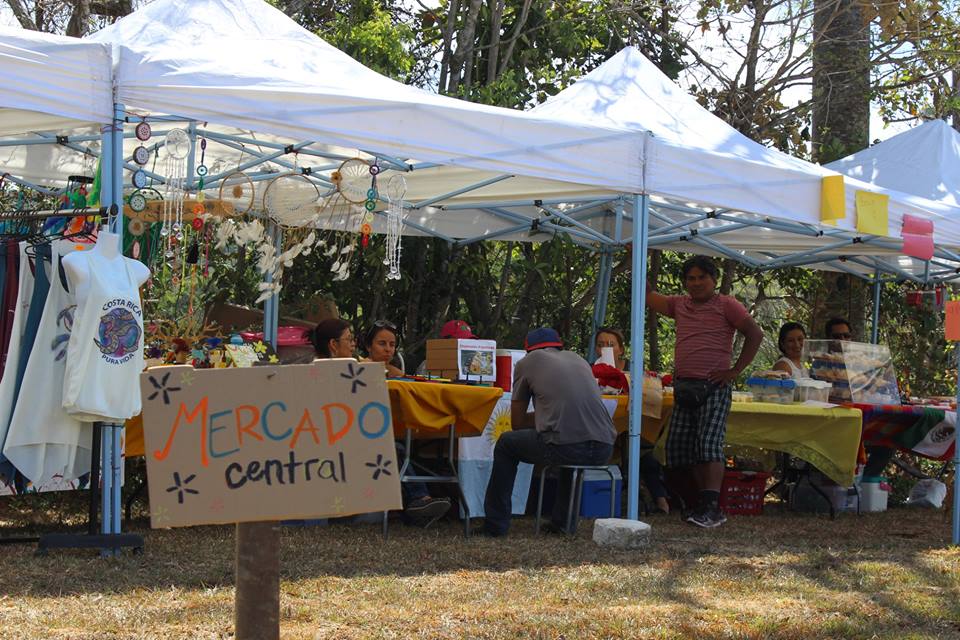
(650, 470)
(419, 508)
(613, 338)
(380, 342)
(790, 343)
(333, 338)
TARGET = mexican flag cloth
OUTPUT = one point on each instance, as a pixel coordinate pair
(925, 431)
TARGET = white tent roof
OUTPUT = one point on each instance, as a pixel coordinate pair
(696, 156)
(924, 160)
(242, 67)
(52, 82)
(244, 64)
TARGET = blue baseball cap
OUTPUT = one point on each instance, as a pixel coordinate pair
(542, 337)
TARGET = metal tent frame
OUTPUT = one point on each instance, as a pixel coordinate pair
(595, 222)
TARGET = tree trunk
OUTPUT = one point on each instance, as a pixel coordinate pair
(841, 80)
(23, 17)
(841, 125)
(452, 10)
(496, 22)
(515, 35)
(465, 46)
(728, 272)
(79, 19)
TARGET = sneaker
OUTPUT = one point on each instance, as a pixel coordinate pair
(481, 531)
(426, 510)
(554, 529)
(707, 517)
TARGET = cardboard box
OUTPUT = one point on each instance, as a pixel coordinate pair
(462, 359)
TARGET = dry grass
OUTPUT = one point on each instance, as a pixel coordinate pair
(886, 575)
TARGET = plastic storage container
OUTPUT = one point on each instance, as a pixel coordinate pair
(874, 493)
(767, 390)
(810, 389)
(742, 492)
(860, 372)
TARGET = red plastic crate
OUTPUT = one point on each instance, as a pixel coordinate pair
(742, 492)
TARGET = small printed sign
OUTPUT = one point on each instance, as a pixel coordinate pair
(268, 443)
(476, 359)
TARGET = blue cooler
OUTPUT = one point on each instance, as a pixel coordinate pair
(595, 501)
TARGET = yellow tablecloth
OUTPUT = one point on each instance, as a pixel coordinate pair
(829, 439)
(427, 407)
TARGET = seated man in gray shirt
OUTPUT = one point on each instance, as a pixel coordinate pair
(571, 425)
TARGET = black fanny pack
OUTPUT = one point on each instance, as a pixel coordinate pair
(692, 393)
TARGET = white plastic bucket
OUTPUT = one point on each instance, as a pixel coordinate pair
(874, 495)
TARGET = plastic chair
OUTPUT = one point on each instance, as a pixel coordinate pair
(576, 492)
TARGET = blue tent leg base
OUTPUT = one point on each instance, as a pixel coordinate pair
(112, 541)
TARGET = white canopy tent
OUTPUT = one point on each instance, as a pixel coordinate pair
(243, 74)
(923, 160)
(744, 182)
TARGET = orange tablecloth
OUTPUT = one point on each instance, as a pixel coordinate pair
(427, 407)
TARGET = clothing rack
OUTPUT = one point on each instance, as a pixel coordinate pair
(105, 444)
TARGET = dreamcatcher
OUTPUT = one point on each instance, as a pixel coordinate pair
(396, 189)
(349, 211)
(177, 148)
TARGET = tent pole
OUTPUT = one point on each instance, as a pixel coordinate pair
(600, 302)
(875, 329)
(956, 465)
(638, 301)
(110, 456)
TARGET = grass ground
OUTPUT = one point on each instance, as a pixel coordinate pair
(889, 575)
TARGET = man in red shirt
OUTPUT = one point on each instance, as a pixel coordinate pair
(705, 326)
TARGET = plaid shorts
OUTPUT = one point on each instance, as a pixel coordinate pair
(696, 435)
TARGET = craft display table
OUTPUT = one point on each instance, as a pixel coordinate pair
(828, 438)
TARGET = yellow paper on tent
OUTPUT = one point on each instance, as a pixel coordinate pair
(833, 199)
(873, 213)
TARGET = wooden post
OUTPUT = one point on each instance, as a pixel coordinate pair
(257, 599)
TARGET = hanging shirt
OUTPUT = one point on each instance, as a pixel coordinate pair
(44, 443)
(105, 353)
(9, 382)
(705, 333)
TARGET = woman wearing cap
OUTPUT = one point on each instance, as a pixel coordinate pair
(380, 342)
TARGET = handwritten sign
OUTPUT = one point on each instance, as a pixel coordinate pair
(873, 213)
(268, 443)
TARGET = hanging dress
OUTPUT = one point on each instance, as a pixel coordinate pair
(105, 352)
(45, 443)
(8, 301)
(8, 383)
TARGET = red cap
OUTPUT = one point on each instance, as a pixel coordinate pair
(456, 329)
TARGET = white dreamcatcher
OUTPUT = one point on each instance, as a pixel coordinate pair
(396, 189)
(176, 147)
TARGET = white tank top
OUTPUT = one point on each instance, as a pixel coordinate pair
(44, 442)
(105, 354)
(795, 372)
